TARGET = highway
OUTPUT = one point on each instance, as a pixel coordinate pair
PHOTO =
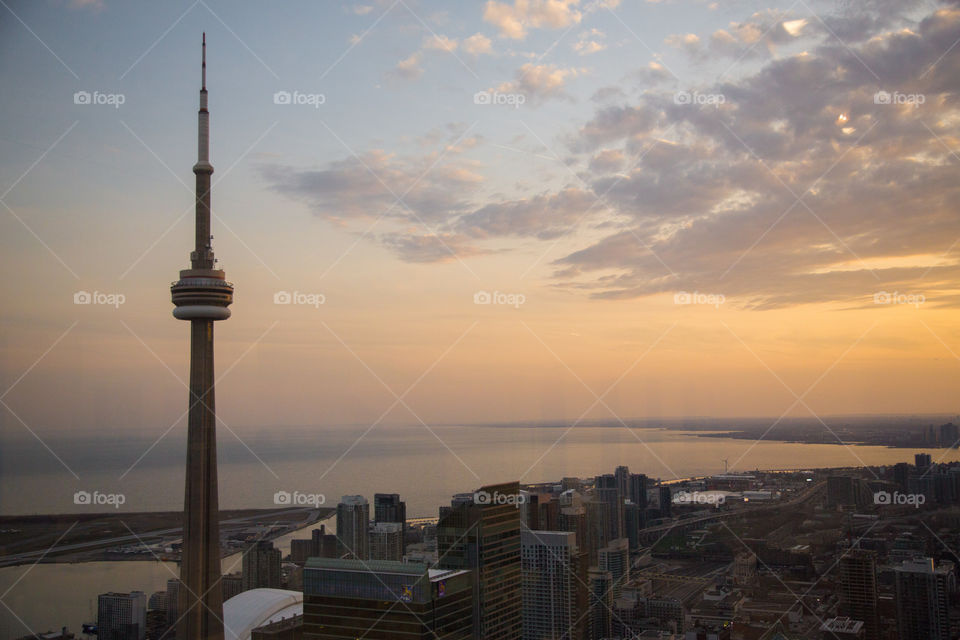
(745, 510)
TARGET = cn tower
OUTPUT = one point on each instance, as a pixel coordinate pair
(202, 296)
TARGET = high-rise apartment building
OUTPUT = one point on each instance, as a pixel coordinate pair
(261, 567)
(607, 489)
(923, 591)
(600, 599)
(232, 585)
(122, 616)
(615, 559)
(555, 597)
(622, 476)
(386, 541)
(388, 507)
(173, 603)
(858, 589)
(597, 532)
(353, 524)
(638, 486)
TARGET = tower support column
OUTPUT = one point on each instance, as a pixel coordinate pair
(200, 604)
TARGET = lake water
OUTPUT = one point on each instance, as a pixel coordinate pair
(425, 467)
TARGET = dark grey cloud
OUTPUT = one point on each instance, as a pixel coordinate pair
(368, 186)
(430, 248)
(704, 197)
(714, 209)
(543, 216)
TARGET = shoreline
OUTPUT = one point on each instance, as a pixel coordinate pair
(137, 537)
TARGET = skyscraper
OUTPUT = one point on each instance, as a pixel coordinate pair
(386, 541)
(554, 586)
(261, 567)
(380, 600)
(481, 533)
(601, 603)
(231, 585)
(122, 616)
(666, 500)
(949, 434)
(597, 530)
(632, 523)
(615, 558)
(202, 296)
(388, 507)
(320, 544)
(638, 490)
(901, 474)
(353, 523)
(858, 589)
(622, 475)
(847, 491)
(607, 489)
(922, 599)
(173, 603)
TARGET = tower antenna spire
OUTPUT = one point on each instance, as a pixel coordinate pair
(203, 66)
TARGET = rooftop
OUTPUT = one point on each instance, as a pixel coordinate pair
(381, 566)
(845, 625)
(251, 609)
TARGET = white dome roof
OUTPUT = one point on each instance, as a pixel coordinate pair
(246, 611)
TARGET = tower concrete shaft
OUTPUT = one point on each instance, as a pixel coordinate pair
(202, 296)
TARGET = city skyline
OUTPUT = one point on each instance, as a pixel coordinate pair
(519, 247)
(391, 314)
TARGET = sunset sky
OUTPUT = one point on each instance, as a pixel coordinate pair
(790, 168)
